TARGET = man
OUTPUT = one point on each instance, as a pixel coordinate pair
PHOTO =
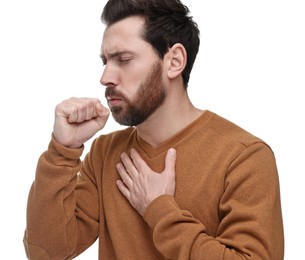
(178, 183)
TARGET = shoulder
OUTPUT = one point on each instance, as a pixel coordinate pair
(230, 133)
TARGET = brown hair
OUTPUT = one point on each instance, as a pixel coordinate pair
(167, 23)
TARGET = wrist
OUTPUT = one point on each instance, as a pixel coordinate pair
(60, 150)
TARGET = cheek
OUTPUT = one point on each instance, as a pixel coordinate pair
(132, 80)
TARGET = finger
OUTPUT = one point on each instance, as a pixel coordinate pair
(65, 110)
(129, 166)
(101, 110)
(124, 175)
(102, 115)
(138, 162)
(78, 110)
(86, 109)
(170, 172)
(93, 108)
(170, 161)
(123, 189)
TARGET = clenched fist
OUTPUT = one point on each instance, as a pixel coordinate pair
(77, 120)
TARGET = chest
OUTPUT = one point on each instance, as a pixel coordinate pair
(199, 187)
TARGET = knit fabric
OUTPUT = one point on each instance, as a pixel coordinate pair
(226, 204)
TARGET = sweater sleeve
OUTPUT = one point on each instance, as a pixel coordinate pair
(58, 223)
(249, 211)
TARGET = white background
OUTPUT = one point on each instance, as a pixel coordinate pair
(250, 69)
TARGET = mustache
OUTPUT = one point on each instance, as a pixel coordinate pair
(113, 92)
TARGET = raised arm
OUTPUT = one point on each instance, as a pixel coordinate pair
(56, 226)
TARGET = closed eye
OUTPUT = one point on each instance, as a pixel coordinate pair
(123, 60)
(120, 58)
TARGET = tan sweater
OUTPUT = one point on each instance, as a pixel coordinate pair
(226, 205)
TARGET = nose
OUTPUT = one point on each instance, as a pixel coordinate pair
(109, 77)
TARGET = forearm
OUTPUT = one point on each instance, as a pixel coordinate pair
(249, 223)
(51, 223)
(179, 235)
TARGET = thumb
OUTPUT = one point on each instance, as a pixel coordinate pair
(102, 115)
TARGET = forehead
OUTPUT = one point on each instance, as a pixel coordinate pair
(124, 35)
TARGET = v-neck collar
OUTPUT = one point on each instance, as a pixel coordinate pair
(152, 152)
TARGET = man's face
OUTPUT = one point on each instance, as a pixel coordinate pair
(149, 96)
(133, 73)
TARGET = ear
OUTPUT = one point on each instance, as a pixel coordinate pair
(177, 60)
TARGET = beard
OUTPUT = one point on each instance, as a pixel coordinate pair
(150, 96)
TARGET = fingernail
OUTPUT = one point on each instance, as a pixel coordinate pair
(172, 151)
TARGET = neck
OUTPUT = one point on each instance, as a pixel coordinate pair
(168, 119)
